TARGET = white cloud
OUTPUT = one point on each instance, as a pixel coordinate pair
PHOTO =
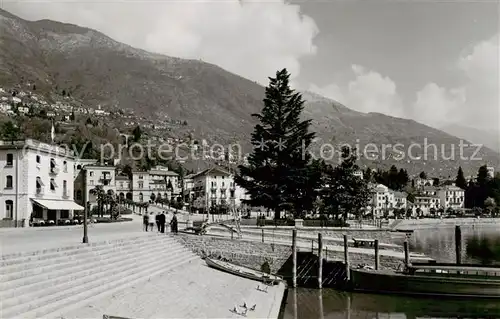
(436, 106)
(250, 38)
(368, 92)
(476, 102)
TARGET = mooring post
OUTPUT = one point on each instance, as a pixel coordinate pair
(262, 234)
(312, 245)
(294, 258)
(407, 253)
(377, 256)
(458, 244)
(346, 258)
(320, 260)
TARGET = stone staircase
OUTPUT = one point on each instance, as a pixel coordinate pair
(48, 283)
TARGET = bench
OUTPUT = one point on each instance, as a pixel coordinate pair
(363, 242)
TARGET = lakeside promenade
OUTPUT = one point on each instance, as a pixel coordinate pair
(191, 291)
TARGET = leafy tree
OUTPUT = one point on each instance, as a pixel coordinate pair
(490, 204)
(346, 193)
(482, 175)
(72, 116)
(393, 178)
(10, 131)
(423, 175)
(34, 87)
(279, 173)
(368, 174)
(402, 179)
(435, 182)
(460, 180)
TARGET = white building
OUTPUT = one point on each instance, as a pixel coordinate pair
(38, 182)
(452, 197)
(215, 186)
(426, 202)
(382, 200)
(491, 171)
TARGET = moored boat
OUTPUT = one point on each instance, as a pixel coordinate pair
(470, 281)
(243, 271)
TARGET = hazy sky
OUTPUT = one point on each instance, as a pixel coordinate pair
(436, 62)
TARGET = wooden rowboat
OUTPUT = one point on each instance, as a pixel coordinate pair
(243, 271)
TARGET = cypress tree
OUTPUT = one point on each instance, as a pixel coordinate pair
(460, 180)
(279, 175)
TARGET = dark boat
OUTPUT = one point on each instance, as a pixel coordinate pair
(444, 280)
(243, 271)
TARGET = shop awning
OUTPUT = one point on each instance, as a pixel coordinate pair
(58, 204)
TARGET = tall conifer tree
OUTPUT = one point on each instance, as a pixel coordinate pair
(279, 174)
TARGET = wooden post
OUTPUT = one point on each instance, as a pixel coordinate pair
(294, 257)
(458, 244)
(407, 253)
(262, 234)
(312, 245)
(320, 261)
(377, 255)
(346, 258)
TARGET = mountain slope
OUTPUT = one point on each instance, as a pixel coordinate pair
(216, 104)
(490, 139)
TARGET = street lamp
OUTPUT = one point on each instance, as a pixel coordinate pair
(86, 210)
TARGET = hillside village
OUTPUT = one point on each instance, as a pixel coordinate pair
(209, 188)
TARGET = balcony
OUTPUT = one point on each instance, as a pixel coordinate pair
(39, 191)
(65, 194)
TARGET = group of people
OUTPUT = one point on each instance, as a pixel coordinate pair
(160, 219)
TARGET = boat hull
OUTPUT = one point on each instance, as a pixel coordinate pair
(397, 283)
(243, 271)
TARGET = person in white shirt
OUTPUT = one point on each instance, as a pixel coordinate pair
(151, 220)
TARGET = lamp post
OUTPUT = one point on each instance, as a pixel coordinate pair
(85, 237)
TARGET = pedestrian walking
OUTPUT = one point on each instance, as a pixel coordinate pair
(162, 219)
(173, 224)
(157, 219)
(145, 221)
(151, 220)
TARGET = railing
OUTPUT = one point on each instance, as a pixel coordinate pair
(54, 170)
(39, 191)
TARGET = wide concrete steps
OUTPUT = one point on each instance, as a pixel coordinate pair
(47, 283)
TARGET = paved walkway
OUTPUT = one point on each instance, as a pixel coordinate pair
(195, 291)
(38, 238)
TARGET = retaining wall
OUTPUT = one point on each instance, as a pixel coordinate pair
(243, 252)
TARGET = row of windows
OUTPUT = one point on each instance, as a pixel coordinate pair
(10, 162)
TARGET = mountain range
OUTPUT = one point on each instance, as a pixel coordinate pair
(216, 104)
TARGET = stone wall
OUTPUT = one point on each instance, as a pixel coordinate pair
(250, 254)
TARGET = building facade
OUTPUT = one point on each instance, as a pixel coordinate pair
(452, 197)
(37, 182)
(215, 186)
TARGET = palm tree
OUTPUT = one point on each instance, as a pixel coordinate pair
(100, 196)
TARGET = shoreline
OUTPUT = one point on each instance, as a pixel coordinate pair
(433, 223)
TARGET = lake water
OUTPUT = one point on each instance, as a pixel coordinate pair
(480, 245)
